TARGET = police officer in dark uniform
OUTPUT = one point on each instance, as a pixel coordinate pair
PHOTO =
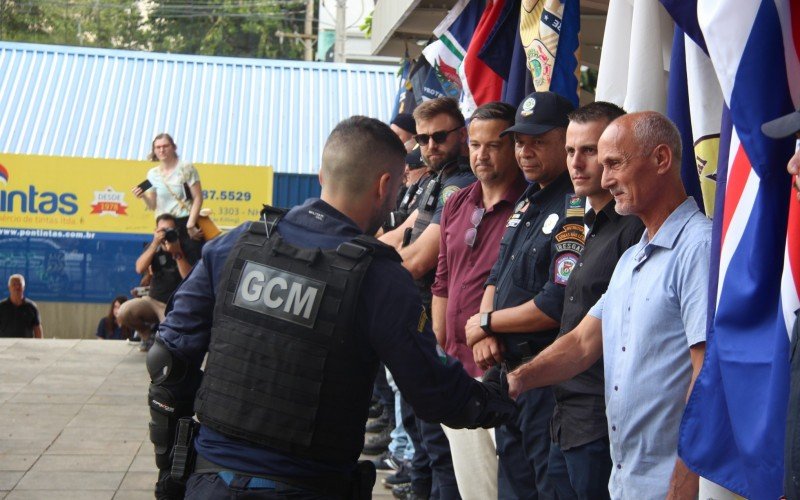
(524, 297)
(781, 128)
(442, 138)
(295, 314)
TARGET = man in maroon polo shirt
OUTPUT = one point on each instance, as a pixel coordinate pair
(472, 224)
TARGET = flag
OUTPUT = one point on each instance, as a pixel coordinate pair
(479, 83)
(549, 32)
(404, 101)
(504, 40)
(694, 104)
(454, 34)
(634, 62)
(734, 423)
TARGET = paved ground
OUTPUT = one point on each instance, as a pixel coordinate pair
(73, 421)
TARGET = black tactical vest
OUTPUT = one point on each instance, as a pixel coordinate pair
(282, 370)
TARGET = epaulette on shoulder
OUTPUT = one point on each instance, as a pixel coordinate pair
(363, 245)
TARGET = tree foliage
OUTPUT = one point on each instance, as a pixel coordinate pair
(244, 28)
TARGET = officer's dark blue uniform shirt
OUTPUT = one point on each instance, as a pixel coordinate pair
(532, 264)
(390, 320)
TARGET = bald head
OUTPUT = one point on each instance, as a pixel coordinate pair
(358, 151)
(641, 156)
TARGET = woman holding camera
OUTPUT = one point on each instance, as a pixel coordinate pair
(172, 187)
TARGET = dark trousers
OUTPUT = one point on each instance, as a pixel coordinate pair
(383, 390)
(432, 474)
(421, 475)
(582, 472)
(791, 480)
(523, 449)
(210, 485)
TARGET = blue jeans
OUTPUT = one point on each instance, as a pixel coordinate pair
(523, 448)
(582, 472)
(401, 446)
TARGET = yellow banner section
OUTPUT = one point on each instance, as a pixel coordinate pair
(83, 194)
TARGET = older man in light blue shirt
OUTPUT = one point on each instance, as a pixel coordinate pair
(650, 324)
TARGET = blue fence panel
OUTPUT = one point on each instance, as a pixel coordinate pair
(289, 190)
(73, 270)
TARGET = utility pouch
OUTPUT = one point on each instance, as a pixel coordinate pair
(183, 453)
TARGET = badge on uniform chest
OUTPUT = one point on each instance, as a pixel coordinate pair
(280, 294)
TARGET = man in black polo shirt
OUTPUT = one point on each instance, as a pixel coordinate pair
(169, 263)
(524, 295)
(19, 316)
(580, 462)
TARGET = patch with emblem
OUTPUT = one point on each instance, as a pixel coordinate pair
(550, 223)
(527, 106)
(447, 192)
(575, 206)
(565, 263)
(514, 220)
(423, 319)
(570, 239)
(279, 294)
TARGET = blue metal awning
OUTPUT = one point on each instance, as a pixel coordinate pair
(98, 103)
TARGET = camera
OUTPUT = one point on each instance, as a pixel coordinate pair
(171, 235)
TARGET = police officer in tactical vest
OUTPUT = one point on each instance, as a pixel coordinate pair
(295, 311)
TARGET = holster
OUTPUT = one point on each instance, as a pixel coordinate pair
(183, 453)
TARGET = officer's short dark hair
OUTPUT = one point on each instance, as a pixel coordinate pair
(596, 111)
(439, 106)
(494, 111)
(358, 149)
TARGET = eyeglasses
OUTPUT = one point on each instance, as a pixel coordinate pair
(438, 137)
(472, 233)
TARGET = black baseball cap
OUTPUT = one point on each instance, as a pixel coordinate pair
(540, 112)
(414, 158)
(406, 122)
(784, 126)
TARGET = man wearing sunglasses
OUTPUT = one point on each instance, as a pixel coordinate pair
(441, 136)
(524, 295)
(473, 221)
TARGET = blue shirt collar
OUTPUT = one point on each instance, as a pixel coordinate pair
(669, 231)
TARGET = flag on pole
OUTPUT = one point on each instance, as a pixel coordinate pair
(479, 82)
(505, 40)
(733, 427)
(404, 99)
(454, 34)
(694, 103)
(549, 32)
(634, 63)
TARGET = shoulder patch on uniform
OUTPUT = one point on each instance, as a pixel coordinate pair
(447, 192)
(570, 239)
(565, 263)
(423, 319)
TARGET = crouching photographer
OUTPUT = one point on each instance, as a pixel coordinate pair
(168, 263)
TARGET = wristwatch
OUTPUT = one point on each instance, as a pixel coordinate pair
(486, 322)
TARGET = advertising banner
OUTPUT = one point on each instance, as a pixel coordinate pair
(52, 196)
(73, 228)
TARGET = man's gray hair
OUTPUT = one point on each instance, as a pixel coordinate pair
(17, 276)
(652, 129)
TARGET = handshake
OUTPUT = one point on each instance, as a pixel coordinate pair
(489, 405)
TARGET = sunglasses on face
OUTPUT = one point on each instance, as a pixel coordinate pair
(438, 137)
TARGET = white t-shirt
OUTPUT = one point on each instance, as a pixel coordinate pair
(166, 201)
